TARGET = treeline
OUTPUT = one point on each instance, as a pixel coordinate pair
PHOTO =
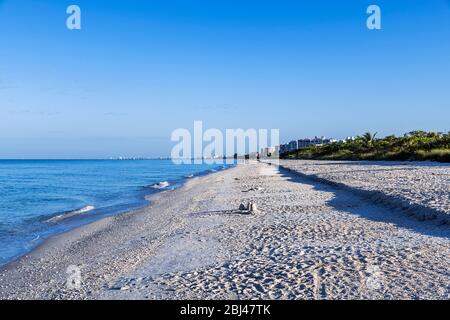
(413, 146)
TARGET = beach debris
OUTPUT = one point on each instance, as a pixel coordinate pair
(253, 189)
(248, 208)
(252, 207)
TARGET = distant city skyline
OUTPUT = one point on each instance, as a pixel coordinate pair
(137, 70)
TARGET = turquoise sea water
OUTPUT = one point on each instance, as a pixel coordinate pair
(39, 198)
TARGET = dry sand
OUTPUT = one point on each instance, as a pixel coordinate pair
(310, 240)
(422, 188)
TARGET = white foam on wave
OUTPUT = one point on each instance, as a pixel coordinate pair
(161, 185)
(70, 214)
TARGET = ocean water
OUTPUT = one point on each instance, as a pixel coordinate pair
(40, 198)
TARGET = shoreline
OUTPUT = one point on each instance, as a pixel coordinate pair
(80, 220)
(309, 240)
(44, 252)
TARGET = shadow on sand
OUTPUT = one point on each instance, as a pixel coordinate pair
(394, 210)
(380, 163)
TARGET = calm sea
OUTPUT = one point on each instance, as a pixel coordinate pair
(40, 198)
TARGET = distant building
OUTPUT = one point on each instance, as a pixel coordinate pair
(349, 139)
(293, 145)
(303, 143)
(284, 148)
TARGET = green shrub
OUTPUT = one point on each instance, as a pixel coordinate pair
(413, 146)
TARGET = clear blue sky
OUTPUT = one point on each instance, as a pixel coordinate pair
(139, 69)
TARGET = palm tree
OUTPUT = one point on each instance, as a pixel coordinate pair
(368, 138)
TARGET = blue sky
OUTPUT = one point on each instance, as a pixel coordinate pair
(139, 69)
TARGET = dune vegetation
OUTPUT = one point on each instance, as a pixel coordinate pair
(413, 146)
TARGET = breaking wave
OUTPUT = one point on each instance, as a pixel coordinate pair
(68, 214)
(161, 185)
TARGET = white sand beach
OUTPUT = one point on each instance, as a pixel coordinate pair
(322, 231)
